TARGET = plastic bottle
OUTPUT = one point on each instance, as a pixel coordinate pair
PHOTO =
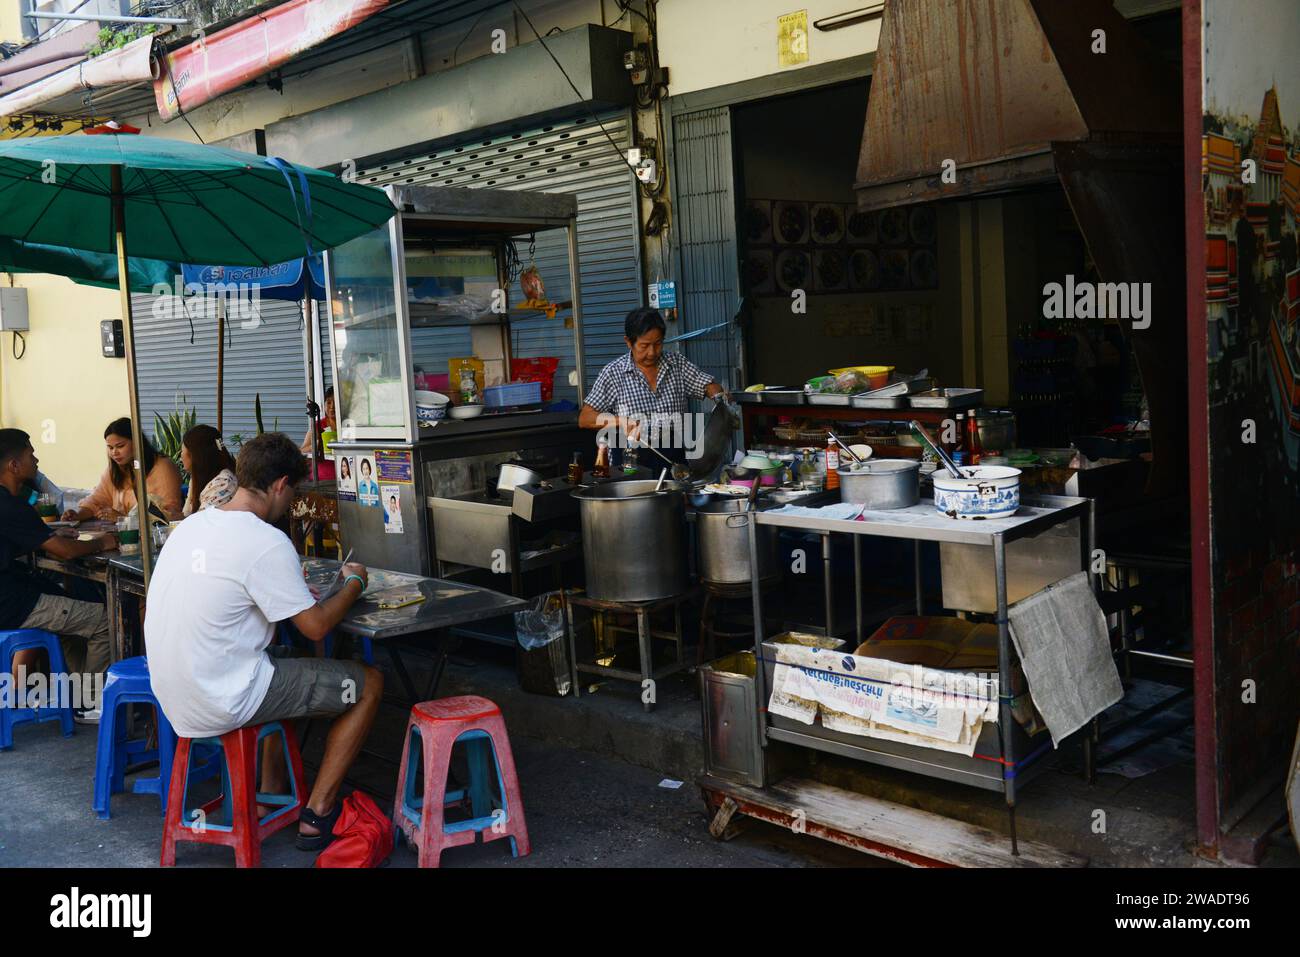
(468, 386)
(832, 466)
(601, 468)
(575, 469)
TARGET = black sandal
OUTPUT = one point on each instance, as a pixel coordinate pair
(316, 842)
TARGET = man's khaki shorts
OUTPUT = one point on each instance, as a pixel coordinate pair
(309, 688)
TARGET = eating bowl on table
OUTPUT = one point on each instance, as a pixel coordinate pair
(466, 411)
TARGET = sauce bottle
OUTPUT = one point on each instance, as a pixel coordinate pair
(575, 469)
(832, 466)
(973, 448)
(601, 469)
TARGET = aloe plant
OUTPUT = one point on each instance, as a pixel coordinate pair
(170, 431)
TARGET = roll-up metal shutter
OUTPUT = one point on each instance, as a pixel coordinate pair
(562, 157)
(264, 359)
(704, 178)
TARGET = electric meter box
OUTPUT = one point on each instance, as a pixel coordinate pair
(13, 309)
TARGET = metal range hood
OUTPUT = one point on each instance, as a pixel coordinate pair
(994, 85)
(1013, 93)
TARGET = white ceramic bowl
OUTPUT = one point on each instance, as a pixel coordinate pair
(466, 411)
(430, 406)
(987, 491)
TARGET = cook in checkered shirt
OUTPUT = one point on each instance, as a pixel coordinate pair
(647, 386)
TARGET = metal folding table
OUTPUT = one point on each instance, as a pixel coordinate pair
(923, 523)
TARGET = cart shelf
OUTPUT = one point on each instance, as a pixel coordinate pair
(1004, 755)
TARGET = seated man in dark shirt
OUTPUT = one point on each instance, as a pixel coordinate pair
(29, 600)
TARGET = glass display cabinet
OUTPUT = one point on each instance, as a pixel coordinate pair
(438, 283)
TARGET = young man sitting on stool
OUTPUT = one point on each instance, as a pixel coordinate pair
(30, 600)
(226, 576)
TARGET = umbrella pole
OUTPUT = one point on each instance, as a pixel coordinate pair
(128, 336)
(309, 355)
(221, 359)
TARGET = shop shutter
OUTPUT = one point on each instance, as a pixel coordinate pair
(266, 359)
(705, 202)
(562, 157)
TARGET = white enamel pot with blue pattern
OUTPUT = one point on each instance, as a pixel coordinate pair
(985, 491)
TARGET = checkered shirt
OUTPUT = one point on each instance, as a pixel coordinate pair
(621, 387)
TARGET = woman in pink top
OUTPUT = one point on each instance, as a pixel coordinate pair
(324, 461)
(114, 497)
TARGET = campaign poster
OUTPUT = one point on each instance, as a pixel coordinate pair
(367, 487)
(391, 499)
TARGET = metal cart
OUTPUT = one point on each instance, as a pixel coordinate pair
(922, 523)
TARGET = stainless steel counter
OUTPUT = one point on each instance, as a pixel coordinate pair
(1013, 757)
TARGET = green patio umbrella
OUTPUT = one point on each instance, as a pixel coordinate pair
(86, 268)
(169, 200)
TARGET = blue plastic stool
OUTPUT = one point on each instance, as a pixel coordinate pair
(284, 635)
(367, 649)
(12, 642)
(127, 682)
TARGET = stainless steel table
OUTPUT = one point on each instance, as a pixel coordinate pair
(446, 604)
(923, 523)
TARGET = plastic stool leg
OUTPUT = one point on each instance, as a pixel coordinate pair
(241, 760)
(107, 756)
(175, 802)
(479, 755)
(511, 795)
(166, 757)
(437, 765)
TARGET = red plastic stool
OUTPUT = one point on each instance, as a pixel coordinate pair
(238, 800)
(438, 725)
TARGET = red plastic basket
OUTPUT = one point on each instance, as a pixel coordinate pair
(536, 369)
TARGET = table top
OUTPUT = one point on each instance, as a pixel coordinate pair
(923, 522)
(445, 604)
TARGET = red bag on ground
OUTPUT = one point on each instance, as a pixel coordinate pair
(363, 835)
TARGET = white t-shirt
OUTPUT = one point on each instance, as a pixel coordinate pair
(221, 582)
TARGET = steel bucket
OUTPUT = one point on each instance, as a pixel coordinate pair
(722, 534)
(633, 540)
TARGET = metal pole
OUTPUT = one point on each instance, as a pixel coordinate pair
(575, 294)
(103, 18)
(916, 571)
(1005, 717)
(857, 583)
(826, 584)
(309, 371)
(756, 590)
(128, 336)
(221, 360)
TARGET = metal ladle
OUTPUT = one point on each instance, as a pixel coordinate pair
(944, 457)
(857, 460)
(679, 472)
